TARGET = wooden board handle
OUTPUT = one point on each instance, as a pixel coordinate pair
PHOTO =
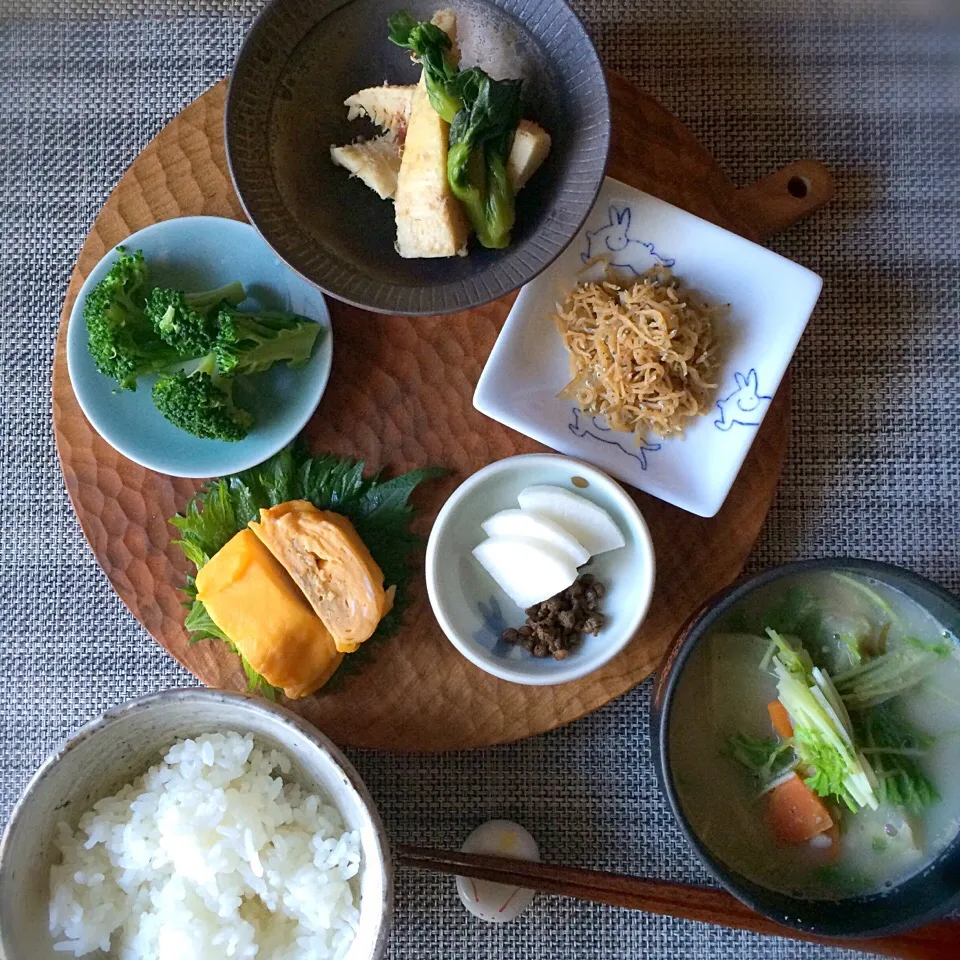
(781, 199)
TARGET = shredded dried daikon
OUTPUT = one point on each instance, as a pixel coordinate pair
(643, 356)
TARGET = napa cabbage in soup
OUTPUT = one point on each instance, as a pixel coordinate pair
(815, 737)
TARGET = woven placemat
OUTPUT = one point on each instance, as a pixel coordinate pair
(873, 468)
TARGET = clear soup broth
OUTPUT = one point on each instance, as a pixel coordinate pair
(852, 783)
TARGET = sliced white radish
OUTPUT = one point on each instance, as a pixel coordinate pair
(587, 523)
(520, 523)
(528, 571)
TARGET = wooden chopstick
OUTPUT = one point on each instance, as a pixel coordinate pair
(936, 941)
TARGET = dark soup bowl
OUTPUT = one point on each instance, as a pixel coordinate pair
(858, 654)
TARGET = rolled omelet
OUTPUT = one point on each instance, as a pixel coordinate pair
(252, 598)
(329, 562)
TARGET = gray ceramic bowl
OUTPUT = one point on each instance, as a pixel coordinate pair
(118, 747)
(285, 108)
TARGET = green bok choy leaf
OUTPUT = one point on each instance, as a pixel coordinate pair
(480, 138)
(434, 49)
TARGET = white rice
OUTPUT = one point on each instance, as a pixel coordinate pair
(209, 854)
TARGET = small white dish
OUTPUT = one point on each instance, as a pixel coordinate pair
(119, 746)
(202, 253)
(770, 299)
(473, 610)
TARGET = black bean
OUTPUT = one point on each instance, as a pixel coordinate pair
(540, 651)
(590, 596)
(560, 654)
(526, 631)
(510, 635)
(587, 579)
(599, 589)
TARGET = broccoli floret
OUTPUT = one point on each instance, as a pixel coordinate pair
(135, 330)
(252, 343)
(202, 403)
(188, 321)
(123, 342)
(228, 296)
(190, 332)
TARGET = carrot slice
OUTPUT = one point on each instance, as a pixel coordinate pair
(780, 719)
(795, 812)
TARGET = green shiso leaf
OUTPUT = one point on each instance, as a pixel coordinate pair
(379, 509)
(207, 524)
(200, 624)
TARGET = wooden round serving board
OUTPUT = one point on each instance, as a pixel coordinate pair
(400, 396)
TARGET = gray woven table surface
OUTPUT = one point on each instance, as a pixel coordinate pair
(873, 466)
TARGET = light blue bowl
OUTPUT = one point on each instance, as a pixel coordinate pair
(473, 611)
(199, 253)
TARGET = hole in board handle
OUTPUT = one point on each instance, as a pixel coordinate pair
(798, 187)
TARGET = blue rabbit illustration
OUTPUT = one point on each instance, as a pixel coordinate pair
(588, 425)
(746, 405)
(614, 238)
(494, 623)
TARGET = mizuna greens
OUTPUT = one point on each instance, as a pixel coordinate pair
(822, 731)
(766, 758)
(379, 510)
(896, 751)
(891, 674)
(483, 114)
(825, 739)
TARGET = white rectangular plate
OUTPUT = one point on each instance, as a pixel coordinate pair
(771, 299)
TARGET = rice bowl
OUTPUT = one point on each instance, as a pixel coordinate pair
(214, 849)
(195, 823)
